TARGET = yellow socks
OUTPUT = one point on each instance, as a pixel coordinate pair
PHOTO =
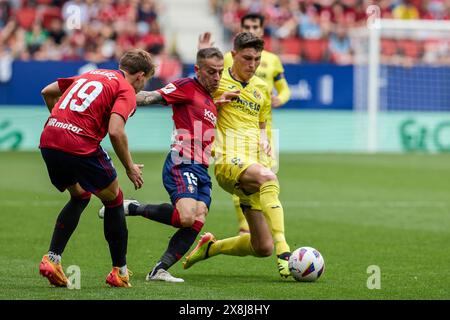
(273, 211)
(235, 246)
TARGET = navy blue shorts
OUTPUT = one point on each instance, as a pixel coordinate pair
(94, 173)
(186, 180)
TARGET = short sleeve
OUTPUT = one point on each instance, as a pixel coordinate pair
(177, 92)
(125, 103)
(266, 107)
(227, 61)
(64, 83)
(278, 73)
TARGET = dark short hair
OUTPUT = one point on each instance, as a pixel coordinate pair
(137, 60)
(207, 53)
(253, 16)
(246, 40)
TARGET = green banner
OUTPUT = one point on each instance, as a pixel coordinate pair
(150, 129)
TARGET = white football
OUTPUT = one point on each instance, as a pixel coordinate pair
(306, 264)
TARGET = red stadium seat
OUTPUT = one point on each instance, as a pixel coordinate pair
(290, 49)
(314, 50)
(388, 47)
(26, 17)
(49, 14)
(290, 46)
(411, 48)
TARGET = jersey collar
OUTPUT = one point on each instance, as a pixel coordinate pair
(201, 86)
(121, 72)
(243, 84)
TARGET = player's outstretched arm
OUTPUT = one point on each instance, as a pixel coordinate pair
(146, 98)
(51, 94)
(119, 142)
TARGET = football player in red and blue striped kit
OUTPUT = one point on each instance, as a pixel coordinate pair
(83, 110)
(185, 172)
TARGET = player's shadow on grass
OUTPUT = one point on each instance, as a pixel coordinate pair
(204, 279)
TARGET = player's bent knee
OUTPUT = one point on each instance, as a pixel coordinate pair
(110, 193)
(202, 212)
(264, 249)
(263, 175)
(187, 217)
(267, 176)
(117, 201)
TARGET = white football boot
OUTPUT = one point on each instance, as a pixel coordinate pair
(163, 275)
(126, 203)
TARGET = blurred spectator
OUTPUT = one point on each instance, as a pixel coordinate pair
(436, 9)
(92, 9)
(5, 11)
(26, 14)
(100, 30)
(436, 52)
(126, 10)
(49, 50)
(13, 37)
(339, 46)
(232, 13)
(308, 22)
(147, 11)
(152, 37)
(106, 12)
(107, 43)
(78, 29)
(314, 21)
(127, 35)
(405, 10)
(56, 31)
(34, 38)
(385, 9)
(167, 68)
(6, 60)
(277, 19)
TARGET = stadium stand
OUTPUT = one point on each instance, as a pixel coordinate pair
(311, 30)
(297, 30)
(78, 29)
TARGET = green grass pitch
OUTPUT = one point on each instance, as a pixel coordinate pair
(392, 211)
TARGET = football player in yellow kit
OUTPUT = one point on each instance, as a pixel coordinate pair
(242, 153)
(271, 71)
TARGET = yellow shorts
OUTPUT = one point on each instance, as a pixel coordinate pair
(228, 174)
(266, 160)
(272, 162)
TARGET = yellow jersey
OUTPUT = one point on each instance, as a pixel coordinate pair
(270, 70)
(238, 130)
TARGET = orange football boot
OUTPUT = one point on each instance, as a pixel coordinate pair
(53, 272)
(114, 279)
